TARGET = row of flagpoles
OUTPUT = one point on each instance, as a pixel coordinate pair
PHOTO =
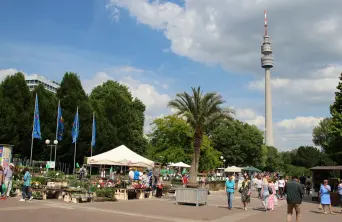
(36, 133)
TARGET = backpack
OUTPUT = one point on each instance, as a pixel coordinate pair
(270, 190)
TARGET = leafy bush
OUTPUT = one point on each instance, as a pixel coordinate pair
(105, 192)
(41, 180)
(55, 175)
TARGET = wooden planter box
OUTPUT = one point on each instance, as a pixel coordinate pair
(198, 196)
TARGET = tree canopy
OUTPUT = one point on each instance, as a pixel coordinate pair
(240, 143)
(120, 117)
(201, 111)
(171, 140)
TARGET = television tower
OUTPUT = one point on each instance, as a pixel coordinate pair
(267, 62)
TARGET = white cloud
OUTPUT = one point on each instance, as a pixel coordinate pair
(6, 72)
(317, 89)
(288, 133)
(155, 102)
(229, 32)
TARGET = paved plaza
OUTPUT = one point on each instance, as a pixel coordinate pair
(153, 210)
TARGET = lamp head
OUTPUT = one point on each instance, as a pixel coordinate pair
(47, 142)
(55, 142)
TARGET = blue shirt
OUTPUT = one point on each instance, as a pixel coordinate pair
(230, 185)
(136, 175)
(27, 179)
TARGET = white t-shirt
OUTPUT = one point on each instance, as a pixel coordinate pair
(259, 183)
(281, 183)
(276, 184)
(131, 174)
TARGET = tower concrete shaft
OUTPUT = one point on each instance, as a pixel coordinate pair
(268, 109)
(267, 62)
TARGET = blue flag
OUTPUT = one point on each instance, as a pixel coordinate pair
(60, 123)
(75, 128)
(36, 123)
(93, 135)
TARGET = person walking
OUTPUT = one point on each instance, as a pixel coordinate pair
(26, 191)
(265, 193)
(281, 185)
(339, 188)
(245, 191)
(230, 188)
(294, 196)
(8, 175)
(325, 196)
(272, 197)
(259, 186)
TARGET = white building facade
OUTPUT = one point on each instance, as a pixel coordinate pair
(34, 80)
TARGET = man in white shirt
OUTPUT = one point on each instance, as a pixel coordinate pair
(259, 185)
(131, 174)
(281, 185)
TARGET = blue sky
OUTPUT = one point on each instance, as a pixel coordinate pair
(52, 37)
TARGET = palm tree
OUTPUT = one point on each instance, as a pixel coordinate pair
(201, 113)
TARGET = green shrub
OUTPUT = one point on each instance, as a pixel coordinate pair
(105, 192)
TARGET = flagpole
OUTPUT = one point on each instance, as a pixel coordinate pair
(75, 142)
(34, 113)
(91, 143)
(59, 103)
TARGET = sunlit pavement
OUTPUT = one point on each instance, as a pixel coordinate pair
(154, 210)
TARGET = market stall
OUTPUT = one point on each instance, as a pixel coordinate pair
(123, 156)
(251, 169)
(120, 156)
(331, 173)
(180, 165)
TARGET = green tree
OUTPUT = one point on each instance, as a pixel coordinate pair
(274, 161)
(201, 111)
(71, 96)
(171, 140)
(16, 114)
(240, 143)
(321, 133)
(306, 156)
(120, 118)
(210, 157)
(334, 149)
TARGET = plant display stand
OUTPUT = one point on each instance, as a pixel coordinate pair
(196, 196)
(121, 194)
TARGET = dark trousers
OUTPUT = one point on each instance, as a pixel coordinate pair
(281, 192)
(26, 192)
(159, 192)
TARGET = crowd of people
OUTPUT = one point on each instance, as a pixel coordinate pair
(271, 188)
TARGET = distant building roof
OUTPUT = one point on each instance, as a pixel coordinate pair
(42, 79)
(327, 168)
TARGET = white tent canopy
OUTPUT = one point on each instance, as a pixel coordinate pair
(180, 164)
(120, 156)
(233, 169)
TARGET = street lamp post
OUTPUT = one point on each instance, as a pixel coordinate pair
(55, 142)
(224, 163)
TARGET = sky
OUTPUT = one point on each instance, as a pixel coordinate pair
(160, 48)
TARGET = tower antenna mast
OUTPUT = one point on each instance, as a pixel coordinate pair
(265, 23)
